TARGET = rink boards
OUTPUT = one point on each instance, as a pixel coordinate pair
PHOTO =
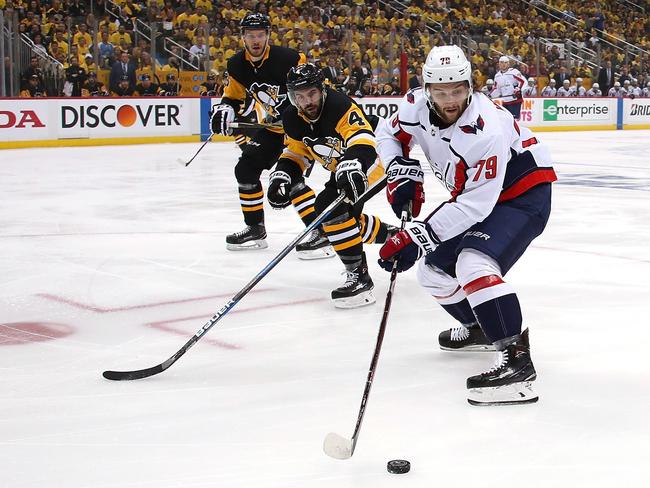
(107, 120)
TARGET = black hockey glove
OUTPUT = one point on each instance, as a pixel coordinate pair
(279, 190)
(350, 179)
(222, 116)
(404, 180)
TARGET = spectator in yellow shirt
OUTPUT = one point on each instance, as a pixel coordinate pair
(121, 36)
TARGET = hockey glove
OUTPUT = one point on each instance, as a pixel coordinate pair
(407, 246)
(222, 116)
(279, 190)
(404, 180)
(350, 179)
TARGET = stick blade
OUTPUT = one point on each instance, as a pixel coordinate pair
(337, 447)
(132, 375)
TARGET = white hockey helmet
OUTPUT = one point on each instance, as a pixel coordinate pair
(446, 64)
(648, 84)
(490, 82)
(626, 82)
(578, 80)
(552, 81)
(595, 85)
(504, 59)
(566, 82)
(617, 84)
(531, 80)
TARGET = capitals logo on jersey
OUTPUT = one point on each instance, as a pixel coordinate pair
(474, 127)
(269, 97)
(326, 149)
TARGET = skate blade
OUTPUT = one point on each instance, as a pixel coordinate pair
(360, 300)
(322, 253)
(248, 246)
(474, 348)
(514, 394)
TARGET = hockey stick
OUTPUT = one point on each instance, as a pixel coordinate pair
(144, 373)
(336, 445)
(255, 125)
(180, 161)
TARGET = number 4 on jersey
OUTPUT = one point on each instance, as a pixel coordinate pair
(488, 167)
(355, 118)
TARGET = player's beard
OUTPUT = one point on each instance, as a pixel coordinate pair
(450, 116)
(312, 111)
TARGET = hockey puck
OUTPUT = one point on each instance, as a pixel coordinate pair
(398, 466)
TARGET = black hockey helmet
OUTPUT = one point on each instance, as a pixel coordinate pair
(305, 76)
(255, 20)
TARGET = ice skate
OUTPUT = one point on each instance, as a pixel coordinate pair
(357, 289)
(315, 246)
(251, 237)
(462, 338)
(509, 380)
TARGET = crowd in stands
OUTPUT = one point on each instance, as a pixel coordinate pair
(357, 43)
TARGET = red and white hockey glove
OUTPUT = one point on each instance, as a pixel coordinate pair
(404, 185)
(407, 246)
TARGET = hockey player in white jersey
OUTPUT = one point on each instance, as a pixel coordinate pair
(617, 91)
(499, 176)
(634, 91)
(577, 90)
(487, 89)
(549, 90)
(564, 90)
(594, 91)
(646, 91)
(508, 86)
(531, 89)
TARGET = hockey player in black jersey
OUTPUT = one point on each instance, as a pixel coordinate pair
(209, 88)
(171, 88)
(147, 88)
(123, 89)
(327, 127)
(93, 88)
(259, 70)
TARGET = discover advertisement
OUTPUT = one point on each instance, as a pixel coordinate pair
(129, 117)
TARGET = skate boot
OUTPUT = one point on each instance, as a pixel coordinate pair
(465, 338)
(315, 246)
(252, 237)
(357, 289)
(509, 381)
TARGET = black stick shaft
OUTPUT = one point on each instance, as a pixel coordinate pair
(380, 340)
(200, 149)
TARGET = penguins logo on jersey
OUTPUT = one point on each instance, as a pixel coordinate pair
(326, 149)
(268, 96)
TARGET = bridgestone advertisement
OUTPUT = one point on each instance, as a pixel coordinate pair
(636, 112)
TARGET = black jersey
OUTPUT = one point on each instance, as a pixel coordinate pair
(150, 91)
(123, 92)
(264, 80)
(341, 132)
(91, 89)
(169, 89)
(209, 89)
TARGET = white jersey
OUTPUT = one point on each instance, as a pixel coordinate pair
(646, 93)
(577, 91)
(508, 86)
(548, 91)
(635, 91)
(529, 91)
(563, 92)
(617, 92)
(594, 92)
(475, 158)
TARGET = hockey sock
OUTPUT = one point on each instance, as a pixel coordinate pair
(373, 230)
(251, 199)
(303, 199)
(496, 306)
(457, 306)
(343, 234)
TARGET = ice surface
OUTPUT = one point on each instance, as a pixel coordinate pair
(112, 257)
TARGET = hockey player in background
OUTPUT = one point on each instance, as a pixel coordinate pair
(508, 86)
(617, 91)
(170, 88)
(577, 90)
(531, 90)
(646, 91)
(594, 91)
(146, 88)
(487, 89)
(327, 127)
(499, 176)
(549, 90)
(260, 70)
(565, 90)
